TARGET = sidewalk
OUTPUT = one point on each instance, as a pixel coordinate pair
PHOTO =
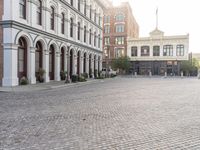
(46, 86)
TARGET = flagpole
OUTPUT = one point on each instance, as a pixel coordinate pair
(157, 18)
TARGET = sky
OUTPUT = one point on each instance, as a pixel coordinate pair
(175, 17)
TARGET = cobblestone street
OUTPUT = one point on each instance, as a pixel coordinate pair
(115, 114)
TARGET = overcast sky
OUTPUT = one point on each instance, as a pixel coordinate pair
(175, 17)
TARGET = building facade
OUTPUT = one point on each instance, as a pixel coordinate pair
(158, 54)
(119, 23)
(55, 35)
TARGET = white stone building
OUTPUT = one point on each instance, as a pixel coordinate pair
(158, 54)
(51, 34)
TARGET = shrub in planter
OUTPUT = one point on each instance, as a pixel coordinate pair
(23, 81)
(81, 79)
(63, 75)
(40, 75)
(85, 75)
(74, 78)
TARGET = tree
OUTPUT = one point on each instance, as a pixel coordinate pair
(121, 63)
(190, 67)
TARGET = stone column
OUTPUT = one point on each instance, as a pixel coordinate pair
(74, 64)
(10, 69)
(46, 65)
(92, 65)
(81, 63)
(65, 60)
(87, 64)
(57, 66)
(31, 66)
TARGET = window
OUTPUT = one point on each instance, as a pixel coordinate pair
(22, 9)
(79, 5)
(71, 2)
(106, 40)
(156, 50)
(85, 32)
(39, 13)
(52, 18)
(90, 11)
(119, 17)
(119, 52)
(90, 37)
(106, 29)
(119, 40)
(168, 50)
(63, 23)
(180, 50)
(145, 51)
(119, 28)
(71, 27)
(99, 41)
(95, 38)
(95, 16)
(106, 19)
(134, 51)
(85, 9)
(79, 30)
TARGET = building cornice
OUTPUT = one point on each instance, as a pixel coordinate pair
(19, 26)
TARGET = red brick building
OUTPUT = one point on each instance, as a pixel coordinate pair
(119, 23)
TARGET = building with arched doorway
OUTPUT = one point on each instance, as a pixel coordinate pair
(50, 34)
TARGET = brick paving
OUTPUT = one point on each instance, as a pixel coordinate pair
(118, 114)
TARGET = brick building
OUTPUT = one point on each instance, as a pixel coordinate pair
(119, 24)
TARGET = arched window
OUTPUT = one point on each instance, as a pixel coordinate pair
(95, 38)
(85, 8)
(168, 50)
(22, 9)
(39, 12)
(62, 23)
(90, 11)
(119, 17)
(95, 16)
(90, 37)
(71, 27)
(79, 5)
(71, 2)
(85, 31)
(99, 41)
(156, 50)
(22, 58)
(79, 30)
(52, 18)
(38, 56)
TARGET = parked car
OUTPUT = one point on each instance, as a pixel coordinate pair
(108, 72)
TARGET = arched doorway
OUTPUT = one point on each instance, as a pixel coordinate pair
(99, 64)
(84, 62)
(78, 62)
(51, 62)
(22, 58)
(62, 59)
(90, 65)
(71, 63)
(38, 57)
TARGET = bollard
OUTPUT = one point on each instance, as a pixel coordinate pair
(135, 74)
(150, 74)
(165, 74)
(181, 74)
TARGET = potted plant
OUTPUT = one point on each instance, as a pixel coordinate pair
(74, 78)
(40, 75)
(63, 75)
(23, 81)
